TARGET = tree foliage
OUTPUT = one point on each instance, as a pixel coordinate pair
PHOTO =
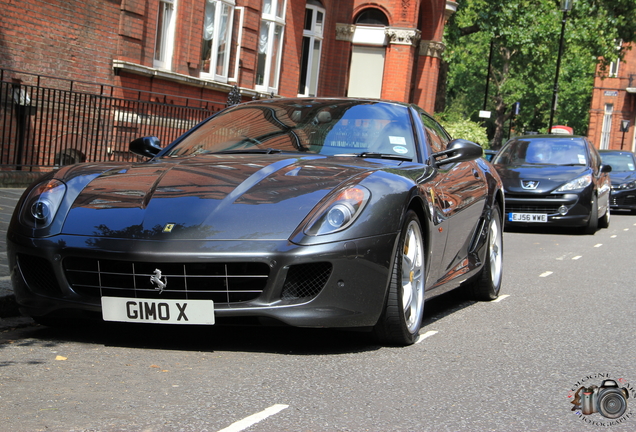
(459, 127)
(521, 38)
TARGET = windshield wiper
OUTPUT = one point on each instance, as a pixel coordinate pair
(377, 155)
(251, 151)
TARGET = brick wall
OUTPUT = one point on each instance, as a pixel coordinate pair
(65, 38)
(614, 91)
(80, 39)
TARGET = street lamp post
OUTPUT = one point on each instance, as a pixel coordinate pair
(566, 6)
(624, 128)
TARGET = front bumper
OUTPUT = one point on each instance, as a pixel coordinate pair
(623, 199)
(578, 208)
(345, 285)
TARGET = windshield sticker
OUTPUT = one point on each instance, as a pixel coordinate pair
(400, 150)
(397, 140)
(630, 166)
(582, 159)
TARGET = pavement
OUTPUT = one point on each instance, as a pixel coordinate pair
(9, 314)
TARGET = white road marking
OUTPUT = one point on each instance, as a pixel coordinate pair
(545, 274)
(614, 236)
(626, 229)
(254, 418)
(421, 337)
(577, 257)
(598, 245)
(500, 298)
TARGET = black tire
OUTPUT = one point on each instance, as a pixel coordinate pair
(592, 225)
(401, 319)
(604, 222)
(487, 285)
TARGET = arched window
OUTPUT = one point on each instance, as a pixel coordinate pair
(366, 70)
(372, 16)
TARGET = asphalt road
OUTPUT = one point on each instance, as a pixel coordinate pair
(565, 319)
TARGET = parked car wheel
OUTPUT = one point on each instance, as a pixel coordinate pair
(592, 225)
(486, 286)
(402, 317)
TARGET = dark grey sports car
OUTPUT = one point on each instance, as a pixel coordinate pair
(309, 212)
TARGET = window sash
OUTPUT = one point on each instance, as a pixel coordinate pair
(607, 127)
(217, 40)
(613, 69)
(164, 37)
(270, 46)
(311, 51)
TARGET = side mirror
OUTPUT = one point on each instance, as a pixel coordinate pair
(146, 146)
(606, 168)
(458, 150)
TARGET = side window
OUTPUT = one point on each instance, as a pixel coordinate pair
(164, 38)
(438, 138)
(595, 161)
(217, 39)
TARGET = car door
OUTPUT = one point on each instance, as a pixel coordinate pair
(431, 190)
(463, 189)
(602, 180)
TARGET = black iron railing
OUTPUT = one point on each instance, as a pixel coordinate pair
(47, 122)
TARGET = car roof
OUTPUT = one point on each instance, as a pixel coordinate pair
(550, 136)
(616, 151)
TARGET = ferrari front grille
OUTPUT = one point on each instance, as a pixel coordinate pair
(305, 281)
(229, 282)
(38, 275)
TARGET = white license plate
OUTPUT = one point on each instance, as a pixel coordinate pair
(527, 217)
(158, 311)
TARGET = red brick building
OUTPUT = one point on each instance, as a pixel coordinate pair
(613, 105)
(203, 48)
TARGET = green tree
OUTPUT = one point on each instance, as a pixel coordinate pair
(521, 38)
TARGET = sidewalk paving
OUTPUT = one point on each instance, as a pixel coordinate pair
(8, 199)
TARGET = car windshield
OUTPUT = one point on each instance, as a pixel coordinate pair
(543, 151)
(351, 128)
(619, 161)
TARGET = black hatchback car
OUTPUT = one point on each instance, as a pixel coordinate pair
(623, 163)
(557, 180)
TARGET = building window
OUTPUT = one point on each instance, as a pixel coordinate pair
(164, 39)
(607, 127)
(312, 47)
(270, 45)
(217, 39)
(368, 54)
(613, 69)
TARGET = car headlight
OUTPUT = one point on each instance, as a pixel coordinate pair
(339, 212)
(623, 186)
(576, 184)
(40, 207)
